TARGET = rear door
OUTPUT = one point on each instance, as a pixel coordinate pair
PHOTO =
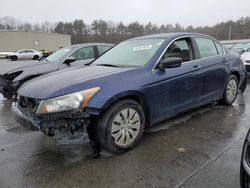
(214, 70)
(175, 89)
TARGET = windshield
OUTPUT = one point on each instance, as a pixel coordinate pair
(58, 54)
(131, 53)
(242, 46)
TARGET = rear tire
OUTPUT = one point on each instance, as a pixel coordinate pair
(36, 57)
(231, 91)
(121, 127)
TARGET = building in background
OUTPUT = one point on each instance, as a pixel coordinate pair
(16, 40)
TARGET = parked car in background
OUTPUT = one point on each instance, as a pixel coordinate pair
(137, 83)
(6, 55)
(245, 163)
(26, 54)
(246, 59)
(75, 55)
(240, 47)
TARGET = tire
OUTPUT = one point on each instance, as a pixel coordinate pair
(231, 91)
(121, 127)
(14, 58)
(244, 178)
(36, 57)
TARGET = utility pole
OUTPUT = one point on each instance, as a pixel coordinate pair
(230, 32)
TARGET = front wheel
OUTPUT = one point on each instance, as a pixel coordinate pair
(121, 126)
(231, 91)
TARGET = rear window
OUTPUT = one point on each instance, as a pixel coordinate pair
(206, 47)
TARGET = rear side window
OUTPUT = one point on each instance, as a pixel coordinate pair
(102, 49)
(206, 47)
(219, 48)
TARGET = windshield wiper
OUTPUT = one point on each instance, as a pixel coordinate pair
(108, 65)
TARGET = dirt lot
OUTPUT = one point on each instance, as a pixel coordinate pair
(199, 149)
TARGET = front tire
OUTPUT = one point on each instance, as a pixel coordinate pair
(231, 91)
(121, 127)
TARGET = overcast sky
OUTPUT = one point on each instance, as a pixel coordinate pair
(185, 12)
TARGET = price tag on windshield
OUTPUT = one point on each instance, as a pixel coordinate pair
(145, 47)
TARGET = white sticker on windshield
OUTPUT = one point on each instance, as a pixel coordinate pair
(146, 47)
(66, 50)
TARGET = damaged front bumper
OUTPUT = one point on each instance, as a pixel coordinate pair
(69, 128)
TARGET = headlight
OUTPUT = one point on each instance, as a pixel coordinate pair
(67, 102)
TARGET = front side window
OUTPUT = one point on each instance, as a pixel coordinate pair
(84, 53)
(206, 47)
(131, 53)
(58, 55)
(180, 48)
(22, 52)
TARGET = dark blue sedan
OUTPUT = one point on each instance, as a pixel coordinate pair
(138, 83)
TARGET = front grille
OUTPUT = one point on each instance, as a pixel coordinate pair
(28, 103)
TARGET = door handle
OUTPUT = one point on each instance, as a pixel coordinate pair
(196, 66)
(224, 60)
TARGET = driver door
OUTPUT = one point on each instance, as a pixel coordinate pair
(174, 90)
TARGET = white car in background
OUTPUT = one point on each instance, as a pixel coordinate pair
(26, 54)
(6, 54)
(246, 59)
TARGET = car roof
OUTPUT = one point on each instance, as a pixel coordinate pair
(172, 35)
(90, 44)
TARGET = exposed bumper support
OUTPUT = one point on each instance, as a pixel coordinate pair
(68, 128)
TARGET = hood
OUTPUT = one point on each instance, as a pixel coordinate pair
(13, 66)
(66, 81)
(35, 70)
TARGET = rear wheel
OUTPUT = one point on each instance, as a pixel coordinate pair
(231, 91)
(36, 57)
(121, 126)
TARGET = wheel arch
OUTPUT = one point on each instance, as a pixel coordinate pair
(237, 74)
(133, 95)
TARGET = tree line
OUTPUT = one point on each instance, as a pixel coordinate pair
(109, 31)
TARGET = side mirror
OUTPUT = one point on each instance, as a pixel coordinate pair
(69, 60)
(171, 62)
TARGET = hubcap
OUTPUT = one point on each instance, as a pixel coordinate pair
(231, 90)
(125, 127)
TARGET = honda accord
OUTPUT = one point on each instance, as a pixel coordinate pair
(137, 83)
